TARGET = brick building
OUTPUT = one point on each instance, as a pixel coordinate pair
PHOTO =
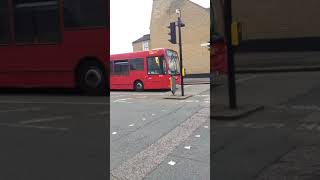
(196, 58)
(275, 24)
(141, 44)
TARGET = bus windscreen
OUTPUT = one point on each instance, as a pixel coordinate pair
(173, 62)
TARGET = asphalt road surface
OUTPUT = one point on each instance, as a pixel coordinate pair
(53, 136)
(157, 138)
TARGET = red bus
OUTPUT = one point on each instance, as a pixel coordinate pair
(144, 70)
(54, 43)
(218, 56)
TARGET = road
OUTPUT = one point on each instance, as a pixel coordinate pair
(51, 136)
(157, 138)
(279, 142)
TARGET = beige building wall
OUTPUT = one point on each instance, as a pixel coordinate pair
(275, 19)
(196, 59)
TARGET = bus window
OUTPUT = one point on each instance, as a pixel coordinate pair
(137, 64)
(36, 21)
(4, 23)
(121, 67)
(85, 13)
(156, 65)
(111, 67)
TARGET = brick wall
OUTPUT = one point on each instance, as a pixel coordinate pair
(274, 19)
(196, 59)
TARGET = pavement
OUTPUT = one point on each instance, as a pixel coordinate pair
(52, 135)
(279, 142)
(252, 62)
(157, 138)
(194, 81)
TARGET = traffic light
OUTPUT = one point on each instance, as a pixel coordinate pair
(172, 33)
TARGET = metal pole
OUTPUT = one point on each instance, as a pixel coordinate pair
(230, 55)
(180, 50)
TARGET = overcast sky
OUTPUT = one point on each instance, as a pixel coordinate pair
(130, 20)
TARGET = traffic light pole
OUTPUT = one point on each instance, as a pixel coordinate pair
(180, 51)
(230, 55)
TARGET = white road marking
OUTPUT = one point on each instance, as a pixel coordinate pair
(153, 114)
(143, 119)
(122, 100)
(21, 110)
(117, 96)
(114, 133)
(197, 136)
(206, 127)
(45, 119)
(202, 95)
(131, 125)
(187, 147)
(54, 102)
(31, 126)
(172, 163)
(125, 100)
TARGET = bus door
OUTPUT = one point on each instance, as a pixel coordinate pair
(156, 72)
(120, 74)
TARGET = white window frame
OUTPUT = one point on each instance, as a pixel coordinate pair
(145, 45)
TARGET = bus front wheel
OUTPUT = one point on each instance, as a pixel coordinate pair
(91, 79)
(138, 86)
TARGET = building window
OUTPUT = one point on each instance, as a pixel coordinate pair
(145, 45)
(85, 13)
(36, 21)
(137, 64)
